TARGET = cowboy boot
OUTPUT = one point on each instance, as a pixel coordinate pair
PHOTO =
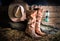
(38, 22)
(30, 30)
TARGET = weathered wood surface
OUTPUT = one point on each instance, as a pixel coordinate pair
(54, 16)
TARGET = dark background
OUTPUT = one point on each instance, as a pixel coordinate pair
(30, 2)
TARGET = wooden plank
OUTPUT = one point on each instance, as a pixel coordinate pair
(50, 22)
(57, 25)
(54, 17)
(54, 11)
(57, 21)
